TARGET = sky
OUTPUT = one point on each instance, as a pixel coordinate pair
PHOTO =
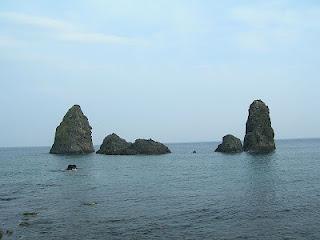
(174, 71)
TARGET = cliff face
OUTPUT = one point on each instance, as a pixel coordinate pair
(230, 144)
(259, 133)
(73, 135)
(114, 145)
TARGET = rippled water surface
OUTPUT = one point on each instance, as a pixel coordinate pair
(177, 196)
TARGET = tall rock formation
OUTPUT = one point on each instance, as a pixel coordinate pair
(259, 133)
(73, 135)
(230, 144)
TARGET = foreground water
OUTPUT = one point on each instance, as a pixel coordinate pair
(177, 196)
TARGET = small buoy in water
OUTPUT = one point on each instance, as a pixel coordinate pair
(194, 151)
(72, 167)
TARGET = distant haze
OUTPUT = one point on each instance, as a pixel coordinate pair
(175, 71)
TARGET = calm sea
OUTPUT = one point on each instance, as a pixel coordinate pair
(177, 196)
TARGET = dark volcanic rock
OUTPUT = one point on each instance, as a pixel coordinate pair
(148, 147)
(113, 145)
(259, 133)
(72, 167)
(73, 135)
(230, 144)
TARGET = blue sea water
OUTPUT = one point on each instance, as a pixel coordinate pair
(177, 196)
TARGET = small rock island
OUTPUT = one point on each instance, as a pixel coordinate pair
(230, 144)
(259, 136)
(114, 145)
(71, 167)
(73, 135)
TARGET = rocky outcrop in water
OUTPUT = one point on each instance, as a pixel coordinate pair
(259, 133)
(73, 135)
(114, 145)
(71, 167)
(230, 144)
(148, 147)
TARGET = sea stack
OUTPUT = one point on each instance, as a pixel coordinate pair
(114, 145)
(73, 135)
(259, 133)
(230, 144)
(148, 147)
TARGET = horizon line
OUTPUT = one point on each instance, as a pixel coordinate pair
(216, 141)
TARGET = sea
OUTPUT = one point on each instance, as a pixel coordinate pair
(181, 195)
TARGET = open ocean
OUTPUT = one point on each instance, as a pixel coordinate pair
(177, 196)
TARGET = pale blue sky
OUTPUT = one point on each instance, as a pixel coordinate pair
(176, 71)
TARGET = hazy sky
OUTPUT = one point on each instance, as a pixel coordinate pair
(176, 71)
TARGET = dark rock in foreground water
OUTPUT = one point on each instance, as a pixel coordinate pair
(230, 144)
(259, 133)
(114, 145)
(73, 135)
(72, 167)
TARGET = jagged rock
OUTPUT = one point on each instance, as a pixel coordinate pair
(148, 147)
(73, 135)
(230, 144)
(113, 145)
(72, 167)
(259, 133)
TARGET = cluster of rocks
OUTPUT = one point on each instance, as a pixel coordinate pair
(114, 145)
(74, 136)
(259, 136)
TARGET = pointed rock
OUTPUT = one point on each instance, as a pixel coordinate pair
(259, 133)
(73, 135)
(230, 144)
(113, 145)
